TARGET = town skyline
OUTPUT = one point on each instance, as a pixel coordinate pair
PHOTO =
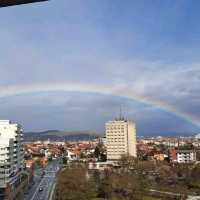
(99, 100)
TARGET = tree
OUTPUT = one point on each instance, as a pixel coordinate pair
(73, 184)
(97, 152)
(198, 154)
(128, 162)
(64, 160)
(100, 152)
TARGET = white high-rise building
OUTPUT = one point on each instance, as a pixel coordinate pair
(120, 139)
(11, 153)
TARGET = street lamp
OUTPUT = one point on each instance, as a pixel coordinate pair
(5, 3)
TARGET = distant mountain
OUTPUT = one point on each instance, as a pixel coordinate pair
(56, 135)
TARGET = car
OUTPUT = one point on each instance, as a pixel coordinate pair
(40, 189)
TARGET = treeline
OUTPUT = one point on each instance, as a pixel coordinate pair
(133, 180)
(78, 184)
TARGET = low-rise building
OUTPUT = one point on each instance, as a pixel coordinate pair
(183, 155)
(160, 156)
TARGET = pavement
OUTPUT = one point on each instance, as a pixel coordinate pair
(42, 187)
(193, 198)
(190, 197)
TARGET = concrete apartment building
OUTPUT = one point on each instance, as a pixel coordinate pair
(182, 155)
(11, 156)
(120, 139)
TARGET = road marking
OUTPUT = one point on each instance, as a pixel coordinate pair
(48, 180)
(36, 191)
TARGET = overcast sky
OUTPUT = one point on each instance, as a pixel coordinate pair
(148, 50)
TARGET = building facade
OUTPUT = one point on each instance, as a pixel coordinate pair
(120, 139)
(11, 153)
(182, 155)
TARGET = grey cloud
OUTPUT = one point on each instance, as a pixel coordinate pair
(82, 111)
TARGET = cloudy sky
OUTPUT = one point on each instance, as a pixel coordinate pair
(71, 64)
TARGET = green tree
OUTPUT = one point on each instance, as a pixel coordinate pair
(100, 152)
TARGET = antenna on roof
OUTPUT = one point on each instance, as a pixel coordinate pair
(120, 114)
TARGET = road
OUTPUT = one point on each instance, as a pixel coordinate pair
(42, 186)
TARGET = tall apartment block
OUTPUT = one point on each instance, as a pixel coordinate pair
(120, 139)
(11, 155)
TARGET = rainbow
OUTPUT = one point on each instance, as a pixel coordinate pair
(120, 91)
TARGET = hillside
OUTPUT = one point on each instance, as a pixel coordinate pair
(56, 135)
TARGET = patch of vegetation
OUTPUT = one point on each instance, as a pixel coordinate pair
(132, 181)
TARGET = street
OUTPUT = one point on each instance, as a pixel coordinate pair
(42, 187)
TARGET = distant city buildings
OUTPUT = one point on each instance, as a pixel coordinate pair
(120, 139)
(197, 136)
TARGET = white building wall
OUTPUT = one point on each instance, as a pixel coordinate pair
(132, 139)
(186, 157)
(11, 151)
(6, 160)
